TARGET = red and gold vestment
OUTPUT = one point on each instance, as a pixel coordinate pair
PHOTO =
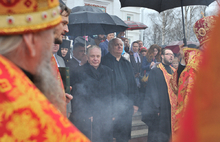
(183, 87)
(172, 96)
(201, 120)
(26, 114)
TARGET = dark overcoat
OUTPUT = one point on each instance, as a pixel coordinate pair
(123, 102)
(92, 97)
(136, 66)
(72, 64)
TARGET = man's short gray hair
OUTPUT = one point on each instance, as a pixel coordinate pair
(91, 47)
(9, 43)
(111, 43)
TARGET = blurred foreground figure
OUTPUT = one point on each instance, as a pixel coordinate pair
(126, 91)
(201, 119)
(92, 98)
(30, 96)
(59, 31)
(183, 79)
(160, 101)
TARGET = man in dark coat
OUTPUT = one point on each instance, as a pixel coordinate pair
(158, 99)
(79, 58)
(135, 60)
(126, 91)
(92, 98)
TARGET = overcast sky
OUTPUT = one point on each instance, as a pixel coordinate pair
(210, 9)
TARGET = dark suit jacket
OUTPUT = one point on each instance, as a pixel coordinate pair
(72, 64)
(104, 47)
(136, 66)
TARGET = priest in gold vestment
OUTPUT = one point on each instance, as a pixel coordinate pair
(201, 120)
(183, 79)
(31, 103)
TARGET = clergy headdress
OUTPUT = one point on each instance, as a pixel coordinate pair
(65, 44)
(203, 27)
(24, 16)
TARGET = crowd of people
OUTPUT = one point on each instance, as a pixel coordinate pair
(110, 80)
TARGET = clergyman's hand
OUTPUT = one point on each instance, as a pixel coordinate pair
(68, 98)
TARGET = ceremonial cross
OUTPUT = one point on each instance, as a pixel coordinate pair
(202, 14)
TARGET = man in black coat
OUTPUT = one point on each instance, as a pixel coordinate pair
(92, 98)
(79, 57)
(126, 91)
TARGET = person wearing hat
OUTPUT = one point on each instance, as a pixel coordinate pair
(64, 51)
(201, 118)
(143, 51)
(182, 80)
(31, 104)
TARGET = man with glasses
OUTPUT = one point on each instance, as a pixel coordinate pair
(159, 103)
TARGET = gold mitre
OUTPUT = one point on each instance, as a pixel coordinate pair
(24, 16)
(203, 27)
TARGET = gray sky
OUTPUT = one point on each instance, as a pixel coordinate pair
(212, 8)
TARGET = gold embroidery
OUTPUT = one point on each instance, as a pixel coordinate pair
(64, 122)
(27, 112)
(6, 138)
(172, 96)
(186, 81)
(4, 85)
(23, 126)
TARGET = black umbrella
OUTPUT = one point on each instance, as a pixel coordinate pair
(86, 8)
(87, 20)
(161, 5)
(62, 2)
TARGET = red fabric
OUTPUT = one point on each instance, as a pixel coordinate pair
(26, 114)
(201, 122)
